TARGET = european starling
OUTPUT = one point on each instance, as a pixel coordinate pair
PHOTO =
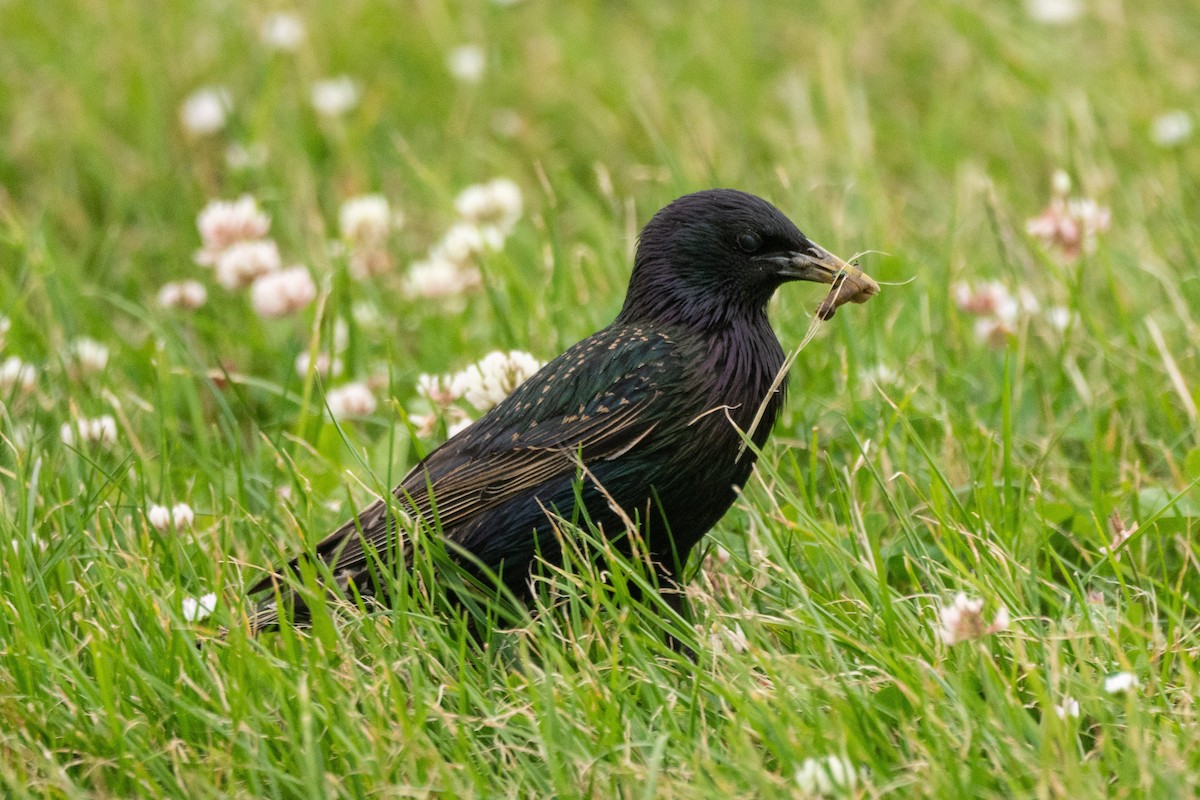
(648, 414)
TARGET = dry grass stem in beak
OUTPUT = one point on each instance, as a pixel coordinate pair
(851, 285)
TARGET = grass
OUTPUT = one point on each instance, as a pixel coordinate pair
(929, 131)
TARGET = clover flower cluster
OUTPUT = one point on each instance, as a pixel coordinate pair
(185, 295)
(483, 385)
(235, 244)
(999, 311)
(15, 374)
(195, 609)
(335, 97)
(1054, 12)
(204, 114)
(81, 358)
(1069, 225)
(365, 223)
(962, 620)
(487, 214)
(828, 776)
(351, 400)
(1172, 128)
(82, 431)
(282, 31)
(467, 63)
(162, 518)
(86, 356)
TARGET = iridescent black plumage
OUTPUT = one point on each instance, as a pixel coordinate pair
(648, 410)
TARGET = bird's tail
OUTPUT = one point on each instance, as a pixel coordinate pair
(265, 618)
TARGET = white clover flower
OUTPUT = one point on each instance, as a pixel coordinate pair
(1120, 683)
(103, 429)
(991, 298)
(278, 294)
(326, 366)
(341, 334)
(16, 373)
(1121, 533)
(222, 223)
(827, 776)
(5, 327)
(351, 400)
(464, 241)
(34, 542)
(1069, 707)
(997, 309)
(439, 390)
(882, 374)
(159, 517)
(1054, 12)
(99, 430)
(993, 331)
(734, 638)
(466, 63)
(366, 315)
(239, 156)
(365, 262)
(203, 112)
(423, 423)
(1171, 129)
(88, 354)
(1060, 317)
(1090, 216)
(365, 221)
(494, 377)
(195, 609)
(1069, 225)
(242, 263)
(458, 426)
(507, 123)
(441, 279)
(334, 97)
(282, 31)
(496, 204)
(1000, 621)
(182, 515)
(183, 295)
(1027, 303)
(1060, 182)
(963, 620)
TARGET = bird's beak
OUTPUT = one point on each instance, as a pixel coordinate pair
(821, 266)
(816, 264)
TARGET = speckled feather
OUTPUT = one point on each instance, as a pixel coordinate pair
(652, 406)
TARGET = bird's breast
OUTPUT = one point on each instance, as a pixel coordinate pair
(743, 363)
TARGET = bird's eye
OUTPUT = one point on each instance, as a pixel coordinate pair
(749, 241)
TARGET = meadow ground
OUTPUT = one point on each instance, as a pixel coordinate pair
(1015, 420)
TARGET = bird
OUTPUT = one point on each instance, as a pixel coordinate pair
(641, 424)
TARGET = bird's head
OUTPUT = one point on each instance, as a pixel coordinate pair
(716, 256)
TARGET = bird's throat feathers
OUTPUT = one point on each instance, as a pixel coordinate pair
(742, 364)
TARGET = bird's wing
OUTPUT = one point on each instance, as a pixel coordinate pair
(596, 402)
